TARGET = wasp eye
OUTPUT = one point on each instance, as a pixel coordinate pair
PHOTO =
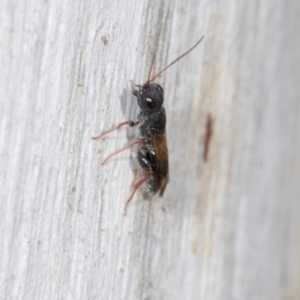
(150, 103)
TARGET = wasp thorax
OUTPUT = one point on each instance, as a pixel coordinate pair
(151, 97)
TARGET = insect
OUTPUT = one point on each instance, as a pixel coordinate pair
(152, 150)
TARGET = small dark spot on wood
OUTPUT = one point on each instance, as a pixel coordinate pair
(104, 40)
(208, 135)
(163, 208)
(73, 189)
(194, 247)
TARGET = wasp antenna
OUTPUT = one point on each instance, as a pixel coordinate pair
(151, 67)
(172, 63)
(149, 73)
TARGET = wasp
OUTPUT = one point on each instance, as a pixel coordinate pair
(152, 149)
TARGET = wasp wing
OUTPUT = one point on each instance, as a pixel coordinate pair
(161, 168)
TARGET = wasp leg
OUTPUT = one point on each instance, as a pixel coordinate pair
(139, 141)
(135, 188)
(130, 123)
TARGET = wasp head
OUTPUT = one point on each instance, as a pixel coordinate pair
(150, 98)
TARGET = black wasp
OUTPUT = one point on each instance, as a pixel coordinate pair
(152, 149)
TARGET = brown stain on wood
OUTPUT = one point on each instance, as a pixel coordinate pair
(208, 136)
(104, 40)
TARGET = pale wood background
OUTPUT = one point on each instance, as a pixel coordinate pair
(228, 228)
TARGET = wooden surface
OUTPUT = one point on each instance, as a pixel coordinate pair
(227, 227)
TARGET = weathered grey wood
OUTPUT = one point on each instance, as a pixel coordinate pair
(227, 228)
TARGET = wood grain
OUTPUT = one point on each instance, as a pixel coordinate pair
(227, 227)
